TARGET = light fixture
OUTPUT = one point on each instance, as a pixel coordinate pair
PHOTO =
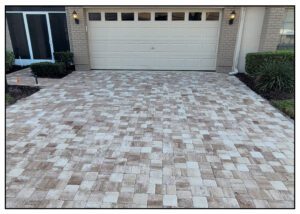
(232, 17)
(75, 17)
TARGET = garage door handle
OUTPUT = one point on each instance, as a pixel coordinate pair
(152, 48)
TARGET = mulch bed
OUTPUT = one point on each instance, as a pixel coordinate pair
(16, 68)
(271, 95)
(16, 92)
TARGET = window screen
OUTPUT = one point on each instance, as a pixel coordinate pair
(39, 37)
(59, 31)
(287, 31)
(18, 35)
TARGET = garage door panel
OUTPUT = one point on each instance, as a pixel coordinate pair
(105, 48)
(167, 45)
(209, 34)
(148, 55)
(155, 63)
(153, 24)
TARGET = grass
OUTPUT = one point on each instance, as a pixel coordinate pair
(286, 106)
(9, 99)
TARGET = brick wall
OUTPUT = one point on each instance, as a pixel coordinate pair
(78, 38)
(8, 45)
(227, 40)
(270, 34)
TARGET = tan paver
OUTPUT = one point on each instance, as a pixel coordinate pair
(119, 139)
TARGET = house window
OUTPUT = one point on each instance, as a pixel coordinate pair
(195, 16)
(94, 16)
(161, 16)
(59, 31)
(178, 16)
(287, 32)
(18, 35)
(212, 16)
(127, 16)
(111, 16)
(144, 16)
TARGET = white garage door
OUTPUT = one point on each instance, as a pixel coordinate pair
(154, 39)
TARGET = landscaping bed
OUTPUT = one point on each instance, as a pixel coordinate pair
(272, 75)
(16, 92)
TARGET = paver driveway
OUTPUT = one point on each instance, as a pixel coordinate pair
(148, 139)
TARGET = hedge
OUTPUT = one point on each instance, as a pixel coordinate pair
(255, 60)
(48, 69)
(9, 60)
(65, 57)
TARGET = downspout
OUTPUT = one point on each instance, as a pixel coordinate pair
(238, 43)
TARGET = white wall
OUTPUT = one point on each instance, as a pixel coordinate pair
(254, 18)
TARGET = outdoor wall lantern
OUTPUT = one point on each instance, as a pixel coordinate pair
(75, 17)
(232, 17)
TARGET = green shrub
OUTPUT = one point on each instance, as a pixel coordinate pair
(48, 69)
(9, 60)
(275, 76)
(286, 106)
(255, 60)
(9, 99)
(65, 57)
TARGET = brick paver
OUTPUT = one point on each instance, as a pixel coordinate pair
(148, 139)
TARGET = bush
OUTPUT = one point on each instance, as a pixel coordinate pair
(65, 57)
(286, 106)
(275, 76)
(255, 60)
(48, 69)
(9, 60)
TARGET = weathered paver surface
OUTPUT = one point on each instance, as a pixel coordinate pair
(148, 139)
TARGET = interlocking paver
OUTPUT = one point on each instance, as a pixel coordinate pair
(129, 139)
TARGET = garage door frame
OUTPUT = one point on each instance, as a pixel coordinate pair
(169, 10)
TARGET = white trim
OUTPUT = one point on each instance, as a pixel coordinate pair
(219, 31)
(25, 62)
(35, 12)
(28, 36)
(238, 43)
(50, 35)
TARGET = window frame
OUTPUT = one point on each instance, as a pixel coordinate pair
(94, 19)
(162, 20)
(177, 19)
(212, 19)
(117, 16)
(128, 20)
(138, 18)
(195, 20)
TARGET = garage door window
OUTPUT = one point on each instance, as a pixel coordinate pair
(177, 16)
(195, 16)
(161, 16)
(127, 16)
(94, 16)
(111, 16)
(144, 16)
(212, 16)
